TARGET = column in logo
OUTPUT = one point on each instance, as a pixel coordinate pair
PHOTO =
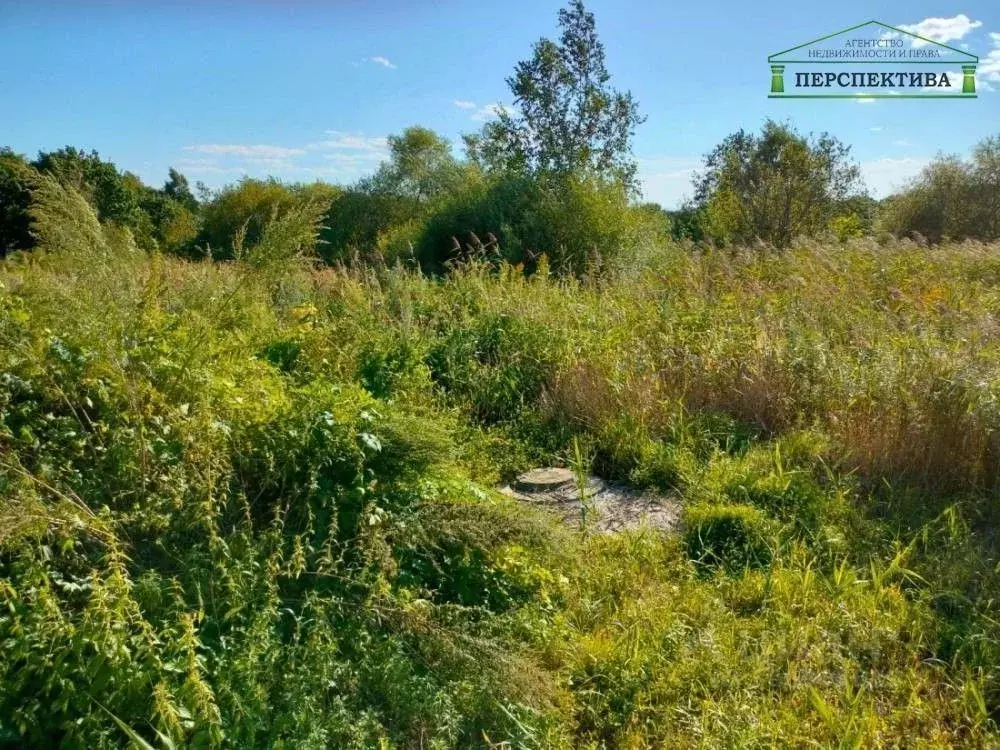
(777, 79)
(968, 79)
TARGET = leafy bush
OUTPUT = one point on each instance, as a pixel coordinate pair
(15, 198)
(580, 223)
(205, 562)
(382, 213)
(393, 367)
(950, 198)
(358, 218)
(728, 536)
(239, 213)
(499, 367)
(775, 186)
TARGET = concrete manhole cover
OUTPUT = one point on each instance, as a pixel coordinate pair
(610, 507)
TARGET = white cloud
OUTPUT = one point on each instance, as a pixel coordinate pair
(885, 175)
(207, 167)
(478, 114)
(187, 162)
(486, 113)
(380, 60)
(902, 142)
(246, 151)
(865, 100)
(342, 157)
(989, 66)
(941, 30)
(876, 129)
(273, 165)
(342, 141)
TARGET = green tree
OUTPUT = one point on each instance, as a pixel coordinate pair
(986, 187)
(15, 200)
(243, 210)
(941, 202)
(359, 216)
(686, 223)
(421, 166)
(177, 188)
(655, 220)
(112, 193)
(171, 214)
(774, 186)
(951, 198)
(420, 172)
(164, 218)
(569, 118)
(581, 222)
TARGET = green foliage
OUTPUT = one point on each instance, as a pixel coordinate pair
(581, 224)
(499, 367)
(392, 368)
(420, 166)
(656, 220)
(467, 219)
(569, 120)
(15, 199)
(383, 214)
(199, 548)
(358, 218)
(177, 189)
(729, 536)
(115, 196)
(951, 198)
(248, 504)
(687, 224)
(775, 186)
(238, 214)
(166, 219)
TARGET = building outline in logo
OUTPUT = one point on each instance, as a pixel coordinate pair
(778, 63)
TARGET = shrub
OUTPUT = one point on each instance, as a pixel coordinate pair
(358, 218)
(15, 198)
(393, 366)
(238, 214)
(580, 223)
(733, 537)
(658, 466)
(479, 208)
(498, 367)
(236, 507)
(774, 186)
(950, 198)
(779, 478)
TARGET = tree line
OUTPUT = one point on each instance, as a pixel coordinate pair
(554, 174)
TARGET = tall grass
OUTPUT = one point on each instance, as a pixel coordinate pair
(249, 503)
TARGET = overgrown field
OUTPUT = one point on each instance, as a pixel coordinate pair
(250, 503)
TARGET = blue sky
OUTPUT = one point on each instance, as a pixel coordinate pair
(309, 90)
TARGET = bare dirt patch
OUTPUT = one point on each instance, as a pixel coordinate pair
(611, 507)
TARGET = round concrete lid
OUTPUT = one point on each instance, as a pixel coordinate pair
(543, 480)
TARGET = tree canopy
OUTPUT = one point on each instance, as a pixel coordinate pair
(15, 198)
(775, 185)
(951, 197)
(568, 117)
(420, 166)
